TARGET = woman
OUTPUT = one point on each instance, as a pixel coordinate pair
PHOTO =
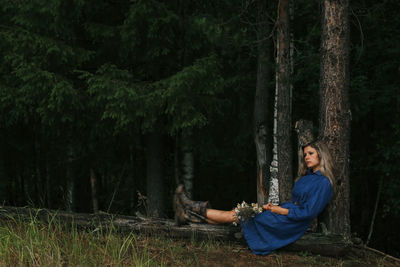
(277, 226)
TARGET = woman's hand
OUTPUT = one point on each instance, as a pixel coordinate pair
(276, 209)
(268, 206)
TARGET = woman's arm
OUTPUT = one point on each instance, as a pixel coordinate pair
(319, 195)
(276, 209)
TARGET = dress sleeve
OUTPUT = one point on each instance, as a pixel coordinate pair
(319, 196)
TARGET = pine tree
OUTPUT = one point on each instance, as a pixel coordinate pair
(334, 108)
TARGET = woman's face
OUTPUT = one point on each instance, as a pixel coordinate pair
(311, 158)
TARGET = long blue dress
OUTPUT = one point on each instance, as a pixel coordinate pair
(268, 231)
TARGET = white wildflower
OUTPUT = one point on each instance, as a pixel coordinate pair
(245, 211)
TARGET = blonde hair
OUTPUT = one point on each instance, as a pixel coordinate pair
(325, 160)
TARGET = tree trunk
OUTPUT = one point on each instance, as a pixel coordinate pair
(38, 184)
(274, 183)
(132, 181)
(305, 135)
(4, 182)
(47, 184)
(70, 180)
(177, 173)
(186, 143)
(334, 107)
(283, 104)
(261, 106)
(187, 162)
(154, 171)
(291, 51)
(95, 202)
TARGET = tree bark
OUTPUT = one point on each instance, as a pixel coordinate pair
(70, 180)
(305, 135)
(132, 183)
(334, 107)
(37, 176)
(177, 172)
(154, 171)
(187, 162)
(47, 184)
(4, 181)
(274, 184)
(261, 128)
(95, 202)
(283, 98)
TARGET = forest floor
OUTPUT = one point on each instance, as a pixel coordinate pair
(33, 243)
(209, 253)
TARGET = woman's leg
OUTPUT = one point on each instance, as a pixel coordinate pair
(220, 216)
(198, 211)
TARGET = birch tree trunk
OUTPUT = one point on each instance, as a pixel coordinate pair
(282, 114)
(154, 171)
(274, 183)
(334, 107)
(261, 106)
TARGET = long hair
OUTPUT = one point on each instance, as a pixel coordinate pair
(325, 160)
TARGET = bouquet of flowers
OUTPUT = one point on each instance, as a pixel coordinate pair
(245, 211)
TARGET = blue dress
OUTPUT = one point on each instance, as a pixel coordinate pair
(268, 231)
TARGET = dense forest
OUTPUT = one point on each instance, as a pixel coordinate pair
(131, 98)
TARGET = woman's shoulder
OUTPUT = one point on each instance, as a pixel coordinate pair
(323, 182)
(318, 177)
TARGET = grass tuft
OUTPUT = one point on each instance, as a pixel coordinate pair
(34, 243)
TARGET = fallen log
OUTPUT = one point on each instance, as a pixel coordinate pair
(316, 243)
(323, 244)
(122, 223)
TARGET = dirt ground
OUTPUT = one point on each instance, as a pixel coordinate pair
(197, 253)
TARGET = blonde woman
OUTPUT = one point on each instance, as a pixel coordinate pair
(278, 225)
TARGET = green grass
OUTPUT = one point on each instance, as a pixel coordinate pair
(34, 243)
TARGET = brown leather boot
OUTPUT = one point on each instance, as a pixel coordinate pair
(193, 211)
(180, 214)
